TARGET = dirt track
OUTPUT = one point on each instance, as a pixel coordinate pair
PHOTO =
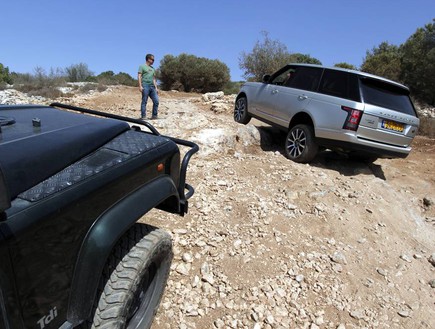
(269, 243)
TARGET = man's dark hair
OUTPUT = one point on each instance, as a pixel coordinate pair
(148, 56)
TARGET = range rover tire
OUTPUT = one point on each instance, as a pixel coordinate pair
(300, 145)
(134, 279)
(241, 114)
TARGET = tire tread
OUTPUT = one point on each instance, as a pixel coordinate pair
(121, 276)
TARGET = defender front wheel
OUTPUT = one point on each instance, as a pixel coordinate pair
(300, 145)
(134, 279)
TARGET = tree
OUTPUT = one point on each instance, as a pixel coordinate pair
(266, 57)
(78, 72)
(40, 75)
(418, 63)
(190, 73)
(269, 56)
(303, 58)
(344, 65)
(384, 61)
(5, 77)
(169, 72)
(57, 73)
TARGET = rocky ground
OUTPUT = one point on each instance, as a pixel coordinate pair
(269, 243)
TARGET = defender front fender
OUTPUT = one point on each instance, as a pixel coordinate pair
(102, 237)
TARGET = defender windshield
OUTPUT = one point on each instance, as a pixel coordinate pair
(383, 94)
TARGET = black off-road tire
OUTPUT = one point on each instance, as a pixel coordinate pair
(241, 114)
(134, 279)
(300, 145)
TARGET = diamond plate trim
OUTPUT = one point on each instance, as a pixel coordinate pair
(120, 149)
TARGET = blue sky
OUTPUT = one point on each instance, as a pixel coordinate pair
(116, 35)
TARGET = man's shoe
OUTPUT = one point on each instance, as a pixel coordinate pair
(142, 118)
(154, 117)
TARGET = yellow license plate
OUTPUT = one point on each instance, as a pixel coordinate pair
(393, 125)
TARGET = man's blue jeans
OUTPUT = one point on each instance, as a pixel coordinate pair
(151, 92)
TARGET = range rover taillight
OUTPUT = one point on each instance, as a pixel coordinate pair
(353, 118)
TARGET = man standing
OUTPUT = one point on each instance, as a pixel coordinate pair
(148, 86)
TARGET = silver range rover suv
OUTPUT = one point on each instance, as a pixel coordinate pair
(348, 111)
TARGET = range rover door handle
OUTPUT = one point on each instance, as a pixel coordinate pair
(275, 91)
(302, 97)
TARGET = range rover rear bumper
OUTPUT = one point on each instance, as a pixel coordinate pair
(366, 147)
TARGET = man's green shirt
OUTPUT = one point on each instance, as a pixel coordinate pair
(148, 73)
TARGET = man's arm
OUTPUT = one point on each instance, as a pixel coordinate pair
(155, 84)
(139, 78)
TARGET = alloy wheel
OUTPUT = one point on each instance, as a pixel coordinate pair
(296, 143)
(240, 109)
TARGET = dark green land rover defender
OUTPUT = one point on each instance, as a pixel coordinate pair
(73, 184)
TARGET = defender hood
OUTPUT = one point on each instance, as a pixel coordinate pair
(38, 141)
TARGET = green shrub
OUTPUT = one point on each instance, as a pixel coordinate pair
(87, 87)
(92, 86)
(39, 84)
(47, 92)
(232, 87)
(110, 78)
(125, 79)
(193, 73)
(101, 87)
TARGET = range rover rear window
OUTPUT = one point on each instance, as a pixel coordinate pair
(386, 95)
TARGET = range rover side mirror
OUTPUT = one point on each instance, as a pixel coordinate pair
(266, 78)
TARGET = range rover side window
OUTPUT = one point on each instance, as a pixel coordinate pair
(306, 78)
(340, 84)
(281, 77)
